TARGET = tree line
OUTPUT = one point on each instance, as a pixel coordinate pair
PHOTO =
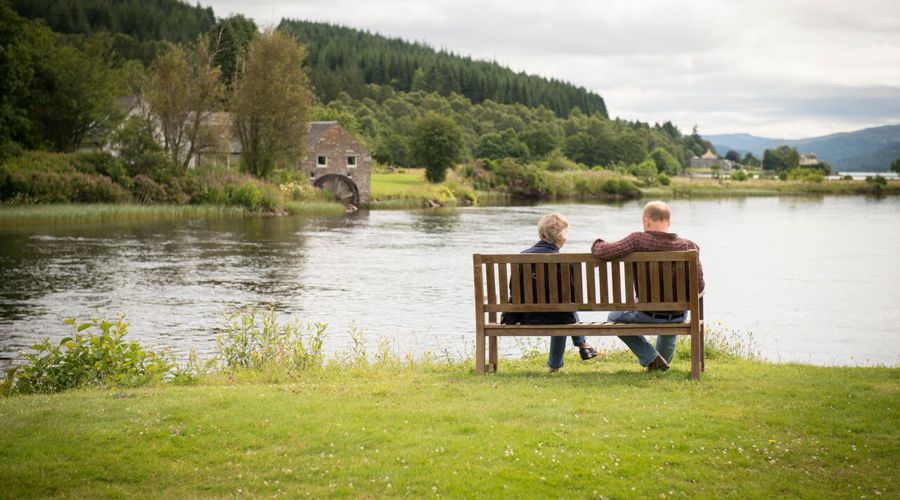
(343, 59)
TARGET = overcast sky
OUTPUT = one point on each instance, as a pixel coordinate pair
(784, 69)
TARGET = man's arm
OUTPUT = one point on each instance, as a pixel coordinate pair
(615, 249)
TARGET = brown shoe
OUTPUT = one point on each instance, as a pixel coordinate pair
(658, 363)
(550, 369)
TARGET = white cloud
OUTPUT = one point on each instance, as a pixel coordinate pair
(776, 68)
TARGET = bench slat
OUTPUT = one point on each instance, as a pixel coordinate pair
(615, 273)
(554, 283)
(541, 284)
(492, 283)
(516, 285)
(668, 294)
(579, 283)
(628, 292)
(642, 282)
(590, 268)
(528, 269)
(504, 284)
(566, 284)
(604, 284)
(654, 282)
(681, 282)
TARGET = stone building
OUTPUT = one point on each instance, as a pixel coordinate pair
(809, 159)
(336, 161)
(704, 161)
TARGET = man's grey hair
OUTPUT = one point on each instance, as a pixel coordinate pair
(551, 227)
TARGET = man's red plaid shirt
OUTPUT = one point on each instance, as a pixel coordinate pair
(647, 241)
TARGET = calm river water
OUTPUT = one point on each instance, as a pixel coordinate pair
(814, 279)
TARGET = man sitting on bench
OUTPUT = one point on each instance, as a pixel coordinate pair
(553, 230)
(655, 238)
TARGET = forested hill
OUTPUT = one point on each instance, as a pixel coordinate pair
(145, 20)
(345, 60)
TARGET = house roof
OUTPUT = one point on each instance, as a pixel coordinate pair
(709, 155)
(317, 130)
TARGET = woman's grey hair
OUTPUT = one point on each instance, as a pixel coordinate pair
(551, 227)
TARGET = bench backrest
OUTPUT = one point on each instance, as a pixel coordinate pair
(533, 282)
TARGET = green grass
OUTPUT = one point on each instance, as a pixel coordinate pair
(397, 184)
(17, 215)
(764, 187)
(313, 208)
(435, 430)
(21, 215)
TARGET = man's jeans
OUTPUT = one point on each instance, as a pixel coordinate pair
(665, 344)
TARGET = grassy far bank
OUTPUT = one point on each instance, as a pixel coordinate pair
(20, 215)
(595, 430)
(685, 186)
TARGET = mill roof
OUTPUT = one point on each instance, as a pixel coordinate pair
(317, 130)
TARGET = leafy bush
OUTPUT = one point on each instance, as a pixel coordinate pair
(461, 193)
(739, 175)
(559, 163)
(621, 187)
(847, 178)
(253, 339)
(523, 180)
(96, 353)
(664, 179)
(247, 195)
(806, 175)
(57, 178)
(646, 171)
(148, 191)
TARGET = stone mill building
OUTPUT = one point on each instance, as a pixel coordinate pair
(336, 161)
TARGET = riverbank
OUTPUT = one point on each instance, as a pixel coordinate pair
(22, 215)
(434, 429)
(685, 186)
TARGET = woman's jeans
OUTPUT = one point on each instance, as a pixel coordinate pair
(665, 344)
(558, 349)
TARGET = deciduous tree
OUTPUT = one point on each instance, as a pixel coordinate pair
(271, 103)
(183, 93)
(437, 144)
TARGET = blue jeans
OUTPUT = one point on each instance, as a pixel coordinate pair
(558, 349)
(665, 344)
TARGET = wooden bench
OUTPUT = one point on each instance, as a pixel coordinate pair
(641, 281)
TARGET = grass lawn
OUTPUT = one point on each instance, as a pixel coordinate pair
(433, 430)
(397, 184)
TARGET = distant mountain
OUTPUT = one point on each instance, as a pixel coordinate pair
(871, 149)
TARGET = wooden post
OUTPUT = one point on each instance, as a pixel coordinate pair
(492, 354)
(479, 315)
(696, 339)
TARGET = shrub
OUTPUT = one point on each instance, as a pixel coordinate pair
(783, 175)
(252, 338)
(57, 178)
(664, 179)
(247, 195)
(96, 353)
(523, 180)
(847, 178)
(739, 175)
(620, 187)
(148, 191)
(806, 175)
(559, 163)
(646, 171)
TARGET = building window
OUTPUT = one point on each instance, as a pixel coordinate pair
(351, 162)
(312, 176)
(322, 161)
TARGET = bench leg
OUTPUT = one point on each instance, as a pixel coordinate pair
(702, 350)
(479, 351)
(492, 353)
(695, 355)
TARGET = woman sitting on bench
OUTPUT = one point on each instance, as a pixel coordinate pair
(553, 230)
